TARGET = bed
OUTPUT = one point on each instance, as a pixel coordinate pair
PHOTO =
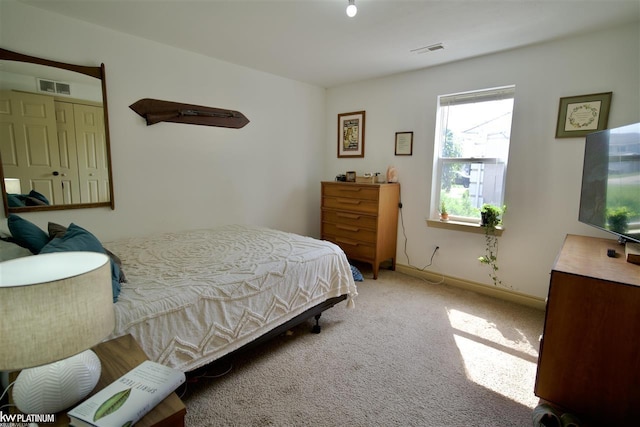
(193, 297)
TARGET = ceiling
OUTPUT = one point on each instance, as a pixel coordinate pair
(314, 41)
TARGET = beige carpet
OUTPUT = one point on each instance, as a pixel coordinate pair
(410, 354)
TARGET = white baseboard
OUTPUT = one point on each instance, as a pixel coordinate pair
(493, 291)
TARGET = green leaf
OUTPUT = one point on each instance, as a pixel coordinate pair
(112, 404)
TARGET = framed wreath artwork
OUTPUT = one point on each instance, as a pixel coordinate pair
(581, 115)
(351, 134)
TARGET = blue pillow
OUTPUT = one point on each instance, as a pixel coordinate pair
(38, 196)
(27, 234)
(14, 201)
(78, 239)
(357, 276)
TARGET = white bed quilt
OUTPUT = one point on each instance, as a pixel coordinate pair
(193, 297)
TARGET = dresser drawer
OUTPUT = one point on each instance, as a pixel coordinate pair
(354, 205)
(353, 248)
(349, 218)
(351, 191)
(351, 232)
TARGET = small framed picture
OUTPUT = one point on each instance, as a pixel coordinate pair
(404, 143)
(581, 115)
(351, 176)
(351, 134)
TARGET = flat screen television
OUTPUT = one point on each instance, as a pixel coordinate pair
(610, 195)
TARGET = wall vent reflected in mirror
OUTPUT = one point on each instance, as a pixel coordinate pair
(50, 86)
(55, 139)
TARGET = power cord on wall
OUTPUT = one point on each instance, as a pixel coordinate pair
(406, 254)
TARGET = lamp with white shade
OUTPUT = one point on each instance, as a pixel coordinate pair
(54, 308)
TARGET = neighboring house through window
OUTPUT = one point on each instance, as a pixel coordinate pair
(473, 132)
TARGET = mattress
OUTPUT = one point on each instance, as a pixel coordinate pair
(193, 297)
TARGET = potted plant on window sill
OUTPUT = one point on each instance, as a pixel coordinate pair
(444, 214)
(491, 217)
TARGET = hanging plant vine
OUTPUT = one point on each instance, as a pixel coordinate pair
(491, 218)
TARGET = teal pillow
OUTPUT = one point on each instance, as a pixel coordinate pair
(14, 201)
(27, 234)
(78, 239)
(34, 194)
(57, 230)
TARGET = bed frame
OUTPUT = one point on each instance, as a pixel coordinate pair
(315, 312)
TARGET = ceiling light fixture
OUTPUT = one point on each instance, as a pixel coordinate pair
(352, 9)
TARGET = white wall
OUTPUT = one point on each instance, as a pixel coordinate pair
(543, 183)
(175, 176)
(268, 173)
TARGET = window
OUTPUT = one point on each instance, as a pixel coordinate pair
(471, 151)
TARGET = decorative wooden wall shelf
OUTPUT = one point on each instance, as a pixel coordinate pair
(155, 111)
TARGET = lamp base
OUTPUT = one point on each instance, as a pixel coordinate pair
(57, 386)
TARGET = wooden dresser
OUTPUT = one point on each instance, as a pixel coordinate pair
(589, 361)
(362, 219)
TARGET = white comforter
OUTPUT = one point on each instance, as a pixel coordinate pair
(193, 297)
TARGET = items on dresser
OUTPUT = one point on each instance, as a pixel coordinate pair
(362, 219)
(367, 178)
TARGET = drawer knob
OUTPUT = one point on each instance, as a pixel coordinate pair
(347, 242)
(349, 201)
(347, 215)
(346, 227)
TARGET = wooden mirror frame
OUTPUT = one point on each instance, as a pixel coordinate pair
(98, 73)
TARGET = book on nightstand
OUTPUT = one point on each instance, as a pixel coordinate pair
(129, 398)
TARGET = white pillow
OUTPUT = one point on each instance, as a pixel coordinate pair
(10, 250)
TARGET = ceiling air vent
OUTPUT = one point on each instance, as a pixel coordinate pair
(50, 86)
(425, 49)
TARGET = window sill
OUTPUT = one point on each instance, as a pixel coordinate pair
(461, 226)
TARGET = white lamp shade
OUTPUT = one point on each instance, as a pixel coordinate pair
(53, 306)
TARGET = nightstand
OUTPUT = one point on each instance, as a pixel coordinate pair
(118, 356)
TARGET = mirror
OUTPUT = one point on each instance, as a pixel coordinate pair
(54, 135)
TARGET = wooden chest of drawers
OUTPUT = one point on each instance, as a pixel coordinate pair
(589, 363)
(362, 219)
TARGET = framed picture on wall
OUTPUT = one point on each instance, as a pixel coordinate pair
(404, 143)
(351, 134)
(580, 115)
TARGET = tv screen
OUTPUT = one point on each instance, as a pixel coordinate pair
(610, 196)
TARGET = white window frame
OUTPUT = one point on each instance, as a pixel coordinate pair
(503, 92)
